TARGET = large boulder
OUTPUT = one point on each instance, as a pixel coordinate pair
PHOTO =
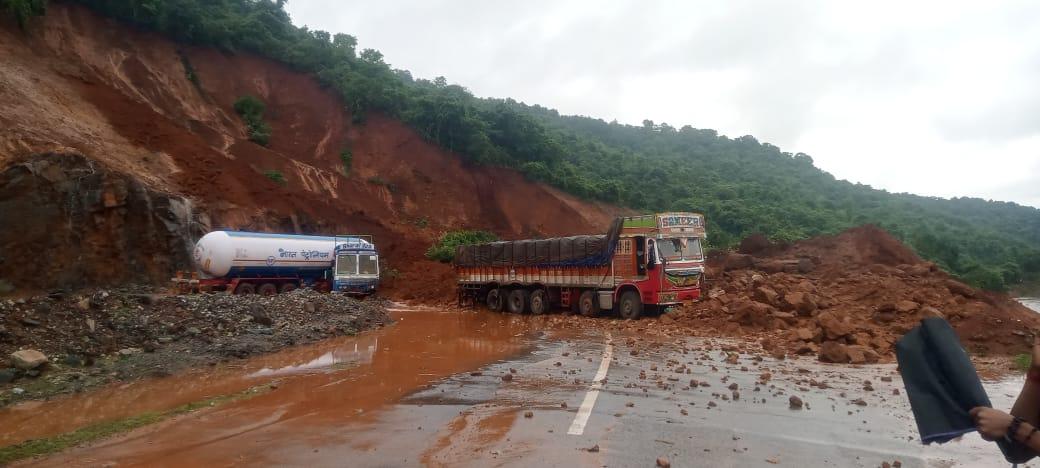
(28, 359)
(832, 351)
(801, 302)
(752, 313)
(861, 354)
(736, 261)
(834, 327)
(766, 295)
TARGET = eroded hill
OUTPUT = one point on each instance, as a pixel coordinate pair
(90, 94)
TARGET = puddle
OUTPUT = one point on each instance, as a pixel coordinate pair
(327, 382)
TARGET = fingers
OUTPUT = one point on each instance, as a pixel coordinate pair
(975, 412)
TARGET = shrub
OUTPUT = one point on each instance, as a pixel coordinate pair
(23, 10)
(276, 176)
(252, 110)
(444, 249)
(348, 158)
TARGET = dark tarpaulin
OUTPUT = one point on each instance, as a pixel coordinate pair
(557, 251)
(943, 387)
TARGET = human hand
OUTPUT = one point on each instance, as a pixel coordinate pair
(992, 424)
(1036, 353)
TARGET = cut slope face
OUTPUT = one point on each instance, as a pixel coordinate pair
(82, 84)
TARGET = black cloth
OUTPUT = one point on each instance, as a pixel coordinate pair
(943, 387)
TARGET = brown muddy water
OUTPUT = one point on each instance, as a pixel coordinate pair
(328, 382)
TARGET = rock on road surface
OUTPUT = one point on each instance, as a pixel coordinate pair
(430, 390)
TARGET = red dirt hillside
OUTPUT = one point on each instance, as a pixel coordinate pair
(81, 84)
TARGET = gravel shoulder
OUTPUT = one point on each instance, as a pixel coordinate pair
(103, 336)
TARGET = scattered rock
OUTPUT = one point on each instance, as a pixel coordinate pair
(28, 359)
(833, 351)
(795, 402)
(663, 462)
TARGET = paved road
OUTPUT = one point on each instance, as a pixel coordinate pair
(429, 391)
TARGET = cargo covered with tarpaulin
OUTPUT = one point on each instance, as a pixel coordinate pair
(586, 251)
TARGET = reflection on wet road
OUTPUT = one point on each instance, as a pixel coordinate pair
(479, 389)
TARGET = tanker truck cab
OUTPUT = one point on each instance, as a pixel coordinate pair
(357, 266)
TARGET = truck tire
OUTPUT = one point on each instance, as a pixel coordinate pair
(287, 287)
(267, 289)
(494, 300)
(630, 307)
(588, 304)
(517, 301)
(245, 288)
(539, 302)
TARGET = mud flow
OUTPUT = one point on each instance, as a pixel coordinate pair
(327, 383)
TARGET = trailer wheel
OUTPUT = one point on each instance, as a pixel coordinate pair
(245, 288)
(539, 302)
(494, 300)
(267, 289)
(517, 301)
(588, 305)
(631, 306)
(287, 287)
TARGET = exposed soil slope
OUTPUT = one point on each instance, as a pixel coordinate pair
(847, 298)
(79, 83)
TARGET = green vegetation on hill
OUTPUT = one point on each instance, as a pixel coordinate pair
(741, 185)
(444, 249)
(252, 110)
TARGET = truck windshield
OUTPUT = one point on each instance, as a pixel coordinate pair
(368, 264)
(346, 265)
(676, 248)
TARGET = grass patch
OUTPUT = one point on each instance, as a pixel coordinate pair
(94, 432)
(275, 176)
(1022, 362)
(348, 159)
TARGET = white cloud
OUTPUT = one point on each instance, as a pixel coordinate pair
(934, 98)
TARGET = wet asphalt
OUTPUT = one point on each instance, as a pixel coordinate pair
(469, 415)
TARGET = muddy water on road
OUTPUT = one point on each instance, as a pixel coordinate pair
(324, 384)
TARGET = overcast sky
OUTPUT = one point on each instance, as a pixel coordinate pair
(935, 99)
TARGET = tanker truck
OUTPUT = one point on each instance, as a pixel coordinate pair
(268, 264)
(642, 262)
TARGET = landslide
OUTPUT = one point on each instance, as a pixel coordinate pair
(847, 298)
(159, 115)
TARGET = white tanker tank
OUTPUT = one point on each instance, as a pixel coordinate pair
(222, 254)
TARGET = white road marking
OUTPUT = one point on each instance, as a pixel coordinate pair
(582, 418)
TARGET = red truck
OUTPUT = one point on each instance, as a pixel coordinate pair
(649, 261)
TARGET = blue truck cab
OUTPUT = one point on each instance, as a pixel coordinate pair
(356, 271)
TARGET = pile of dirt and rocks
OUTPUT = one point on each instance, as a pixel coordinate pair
(121, 334)
(847, 298)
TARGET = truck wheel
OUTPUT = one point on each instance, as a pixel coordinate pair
(517, 301)
(539, 302)
(588, 304)
(631, 306)
(494, 300)
(245, 288)
(287, 287)
(267, 289)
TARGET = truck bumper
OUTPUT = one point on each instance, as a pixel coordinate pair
(349, 287)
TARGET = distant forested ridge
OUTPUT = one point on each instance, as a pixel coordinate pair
(741, 185)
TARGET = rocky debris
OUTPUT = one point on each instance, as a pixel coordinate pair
(528, 414)
(593, 449)
(795, 402)
(28, 359)
(847, 299)
(663, 462)
(174, 331)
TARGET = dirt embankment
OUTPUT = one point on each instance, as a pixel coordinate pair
(87, 340)
(847, 298)
(161, 114)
